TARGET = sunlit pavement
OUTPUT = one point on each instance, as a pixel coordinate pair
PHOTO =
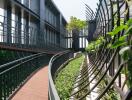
(36, 88)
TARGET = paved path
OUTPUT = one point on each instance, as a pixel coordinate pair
(36, 88)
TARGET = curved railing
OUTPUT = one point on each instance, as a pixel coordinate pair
(107, 63)
(14, 74)
(54, 64)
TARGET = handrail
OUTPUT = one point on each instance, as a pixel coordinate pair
(14, 74)
(20, 64)
(18, 60)
(53, 95)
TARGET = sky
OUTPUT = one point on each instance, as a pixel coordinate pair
(75, 7)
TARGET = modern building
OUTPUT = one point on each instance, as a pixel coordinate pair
(32, 22)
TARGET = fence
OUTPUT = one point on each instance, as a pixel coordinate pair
(106, 64)
(14, 74)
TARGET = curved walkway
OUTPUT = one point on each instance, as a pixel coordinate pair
(36, 87)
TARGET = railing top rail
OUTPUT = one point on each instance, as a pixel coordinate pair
(18, 60)
(51, 83)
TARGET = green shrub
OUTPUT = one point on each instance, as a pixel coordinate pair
(95, 45)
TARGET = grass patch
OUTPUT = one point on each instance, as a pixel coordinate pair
(66, 77)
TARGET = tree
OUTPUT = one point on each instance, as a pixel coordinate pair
(75, 24)
(74, 27)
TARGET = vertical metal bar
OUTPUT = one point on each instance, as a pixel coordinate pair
(111, 28)
(98, 24)
(101, 22)
(112, 16)
(128, 11)
(1, 87)
(105, 25)
(118, 24)
(7, 83)
(107, 13)
(4, 86)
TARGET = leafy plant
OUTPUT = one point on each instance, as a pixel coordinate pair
(66, 77)
(75, 24)
(95, 45)
(111, 93)
(122, 41)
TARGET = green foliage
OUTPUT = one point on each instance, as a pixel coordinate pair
(129, 22)
(75, 24)
(111, 93)
(66, 77)
(125, 51)
(129, 31)
(117, 30)
(95, 45)
(91, 46)
(121, 41)
(118, 43)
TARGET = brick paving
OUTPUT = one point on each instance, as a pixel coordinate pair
(36, 87)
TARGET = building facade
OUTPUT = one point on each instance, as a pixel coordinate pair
(36, 23)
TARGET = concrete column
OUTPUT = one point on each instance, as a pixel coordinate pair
(2, 20)
(27, 29)
(91, 29)
(40, 32)
(23, 40)
(84, 42)
(42, 28)
(19, 27)
(9, 12)
(75, 43)
(14, 24)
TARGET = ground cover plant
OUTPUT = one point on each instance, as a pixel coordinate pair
(65, 79)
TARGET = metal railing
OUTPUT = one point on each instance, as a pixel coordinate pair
(107, 63)
(102, 64)
(14, 74)
(54, 64)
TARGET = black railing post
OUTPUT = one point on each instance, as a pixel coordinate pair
(1, 87)
(118, 24)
